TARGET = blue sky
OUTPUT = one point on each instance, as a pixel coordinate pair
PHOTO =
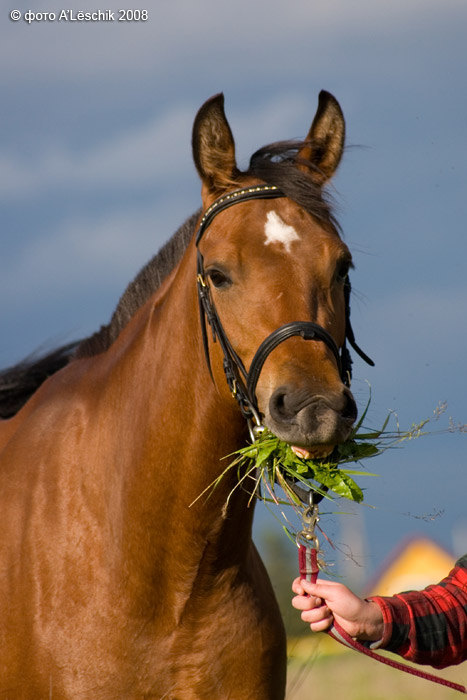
(96, 173)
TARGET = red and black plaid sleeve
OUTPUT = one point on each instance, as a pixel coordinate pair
(429, 626)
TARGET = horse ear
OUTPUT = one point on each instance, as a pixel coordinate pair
(213, 146)
(325, 141)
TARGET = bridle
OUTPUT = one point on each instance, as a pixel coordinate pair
(242, 383)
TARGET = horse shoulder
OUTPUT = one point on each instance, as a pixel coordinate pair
(229, 621)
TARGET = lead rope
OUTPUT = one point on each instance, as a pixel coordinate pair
(308, 562)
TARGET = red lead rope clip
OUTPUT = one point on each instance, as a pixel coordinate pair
(308, 562)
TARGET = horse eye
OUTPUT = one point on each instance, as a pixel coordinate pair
(342, 271)
(219, 278)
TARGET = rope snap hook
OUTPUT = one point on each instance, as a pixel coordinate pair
(310, 518)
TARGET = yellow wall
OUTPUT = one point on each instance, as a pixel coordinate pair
(416, 565)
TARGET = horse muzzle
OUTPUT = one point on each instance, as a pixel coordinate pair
(316, 422)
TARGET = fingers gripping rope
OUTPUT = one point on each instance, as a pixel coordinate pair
(308, 567)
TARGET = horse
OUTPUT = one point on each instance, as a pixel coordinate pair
(117, 580)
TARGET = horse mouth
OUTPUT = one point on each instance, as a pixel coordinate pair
(317, 452)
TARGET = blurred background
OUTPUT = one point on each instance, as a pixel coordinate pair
(96, 174)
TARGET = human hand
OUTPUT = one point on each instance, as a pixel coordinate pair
(325, 601)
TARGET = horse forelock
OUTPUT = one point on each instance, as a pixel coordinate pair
(276, 164)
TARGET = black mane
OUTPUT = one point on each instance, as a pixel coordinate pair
(275, 164)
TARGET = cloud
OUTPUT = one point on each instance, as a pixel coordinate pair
(179, 34)
(87, 254)
(134, 157)
(150, 154)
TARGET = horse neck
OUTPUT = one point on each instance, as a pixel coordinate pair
(181, 427)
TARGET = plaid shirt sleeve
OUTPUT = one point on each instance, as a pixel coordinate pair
(429, 626)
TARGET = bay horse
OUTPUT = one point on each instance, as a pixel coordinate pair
(116, 580)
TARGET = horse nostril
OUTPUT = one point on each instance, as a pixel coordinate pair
(349, 410)
(278, 405)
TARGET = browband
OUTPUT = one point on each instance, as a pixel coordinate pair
(228, 200)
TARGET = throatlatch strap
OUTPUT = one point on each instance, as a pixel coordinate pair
(308, 567)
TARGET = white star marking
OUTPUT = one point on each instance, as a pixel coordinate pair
(277, 231)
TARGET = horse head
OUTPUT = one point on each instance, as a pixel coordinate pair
(276, 260)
